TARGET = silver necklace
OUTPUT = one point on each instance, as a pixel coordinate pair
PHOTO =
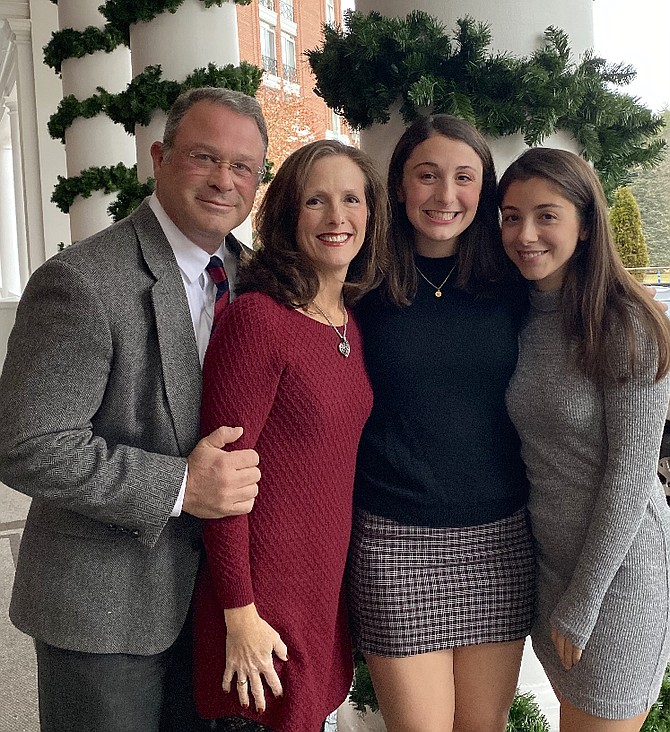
(343, 346)
(438, 288)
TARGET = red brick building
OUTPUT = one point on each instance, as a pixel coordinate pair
(274, 34)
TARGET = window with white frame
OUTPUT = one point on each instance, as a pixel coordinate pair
(335, 122)
(330, 12)
(268, 49)
(289, 70)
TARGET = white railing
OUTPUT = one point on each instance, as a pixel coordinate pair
(660, 273)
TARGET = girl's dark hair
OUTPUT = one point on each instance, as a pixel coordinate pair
(597, 293)
(278, 268)
(481, 260)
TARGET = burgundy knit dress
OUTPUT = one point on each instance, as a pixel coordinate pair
(303, 405)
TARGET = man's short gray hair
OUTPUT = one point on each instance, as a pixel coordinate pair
(233, 100)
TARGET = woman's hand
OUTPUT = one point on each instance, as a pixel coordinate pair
(250, 645)
(568, 653)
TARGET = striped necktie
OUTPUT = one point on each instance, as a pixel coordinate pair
(220, 279)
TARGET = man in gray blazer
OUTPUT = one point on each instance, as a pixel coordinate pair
(99, 424)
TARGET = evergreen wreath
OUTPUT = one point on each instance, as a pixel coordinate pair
(107, 179)
(121, 14)
(71, 43)
(363, 68)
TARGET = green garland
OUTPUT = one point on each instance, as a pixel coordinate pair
(121, 14)
(70, 108)
(71, 43)
(129, 198)
(148, 92)
(362, 69)
(106, 179)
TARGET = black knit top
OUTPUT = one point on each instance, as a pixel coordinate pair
(439, 448)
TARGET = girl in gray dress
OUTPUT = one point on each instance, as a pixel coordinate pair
(589, 398)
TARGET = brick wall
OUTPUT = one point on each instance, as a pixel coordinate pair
(309, 16)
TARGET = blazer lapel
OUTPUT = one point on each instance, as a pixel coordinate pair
(182, 375)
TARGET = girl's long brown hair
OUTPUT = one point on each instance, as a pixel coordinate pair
(598, 293)
(481, 259)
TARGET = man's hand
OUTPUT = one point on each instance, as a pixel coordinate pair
(221, 483)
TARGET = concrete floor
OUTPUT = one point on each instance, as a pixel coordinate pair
(18, 706)
(18, 693)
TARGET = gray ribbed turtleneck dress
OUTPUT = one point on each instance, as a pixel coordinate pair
(599, 516)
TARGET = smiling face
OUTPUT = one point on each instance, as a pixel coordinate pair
(540, 231)
(441, 184)
(206, 206)
(332, 216)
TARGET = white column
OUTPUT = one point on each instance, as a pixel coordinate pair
(180, 42)
(29, 143)
(19, 197)
(517, 27)
(81, 77)
(10, 279)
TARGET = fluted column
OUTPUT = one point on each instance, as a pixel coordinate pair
(517, 27)
(95, 141)
(19, 193)
(28, 143)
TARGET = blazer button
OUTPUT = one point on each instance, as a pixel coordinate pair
(135, 533)
(112, 527)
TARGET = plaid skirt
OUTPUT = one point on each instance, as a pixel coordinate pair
(415, 589)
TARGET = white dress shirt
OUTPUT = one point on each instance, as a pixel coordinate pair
(200, 289)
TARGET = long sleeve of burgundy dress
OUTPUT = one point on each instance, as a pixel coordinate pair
(280, 375)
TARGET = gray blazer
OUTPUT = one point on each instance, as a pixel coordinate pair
(99, 407)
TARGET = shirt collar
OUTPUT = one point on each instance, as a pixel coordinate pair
(191, 258)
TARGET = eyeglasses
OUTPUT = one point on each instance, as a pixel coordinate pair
(206, 163)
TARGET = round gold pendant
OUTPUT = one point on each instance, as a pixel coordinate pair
(438, 293)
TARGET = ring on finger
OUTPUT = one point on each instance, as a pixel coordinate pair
(243, 683)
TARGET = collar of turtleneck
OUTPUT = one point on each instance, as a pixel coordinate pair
(545, 302)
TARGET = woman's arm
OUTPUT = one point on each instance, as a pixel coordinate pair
(635, 413)
(240, 378)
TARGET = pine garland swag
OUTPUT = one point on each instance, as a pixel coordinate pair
(70, 43)
(70, 108)
(107, 179)
(363, 68)
(129, 198)
(148, 92)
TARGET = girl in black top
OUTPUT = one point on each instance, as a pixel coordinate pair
(441, 565)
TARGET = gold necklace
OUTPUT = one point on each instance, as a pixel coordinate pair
(344, 347)
(438, 288)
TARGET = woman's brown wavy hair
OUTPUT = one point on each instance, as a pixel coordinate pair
(278, 268)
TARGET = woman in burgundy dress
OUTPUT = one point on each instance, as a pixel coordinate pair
(271, 640)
